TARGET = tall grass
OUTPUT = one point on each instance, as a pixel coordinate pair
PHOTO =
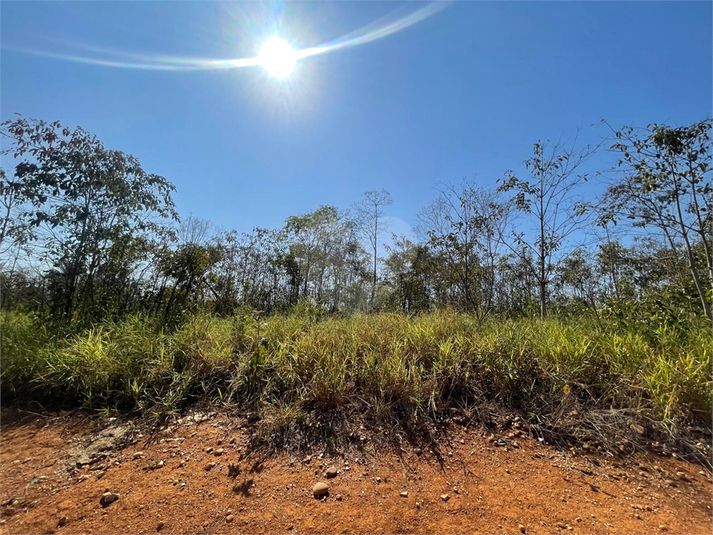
(386, 366)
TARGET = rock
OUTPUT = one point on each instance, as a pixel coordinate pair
(331, 472)
(378, 480)
(338, 497)
(138, 455)
(404, 494)
(521, 528)
(62, 521)
(445, 497)
(320, 489)
(108, 498)
(160, 525)
(209, 449)
(662, 527)
(229, 518)
(218, 452)
(209, 466)
(681, 475)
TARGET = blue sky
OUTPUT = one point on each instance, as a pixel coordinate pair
(463, 93)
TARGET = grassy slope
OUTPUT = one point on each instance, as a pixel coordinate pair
(385, 367)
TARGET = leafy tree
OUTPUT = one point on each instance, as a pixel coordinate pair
(550, 196)
(90, 207)
(667, 187)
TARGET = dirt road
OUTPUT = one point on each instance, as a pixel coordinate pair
(54, 472)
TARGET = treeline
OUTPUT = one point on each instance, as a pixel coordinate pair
(87, 234)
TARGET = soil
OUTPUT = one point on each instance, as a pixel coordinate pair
(55, 470)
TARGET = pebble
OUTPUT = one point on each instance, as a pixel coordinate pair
(160, 525)
(445, 497)
(521, 528)
(662, 527)
(62, 521)
(229, 518)
(338, 497)
(320, 489)
(404, 494)
(138, 454)
(108, 498)
(218, 452)
(209, 466)
(331, 472)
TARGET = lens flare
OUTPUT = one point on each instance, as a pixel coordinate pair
(276, 55)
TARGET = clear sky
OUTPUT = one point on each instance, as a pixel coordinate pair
(463, 93)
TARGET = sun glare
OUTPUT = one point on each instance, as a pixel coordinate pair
(277, 56)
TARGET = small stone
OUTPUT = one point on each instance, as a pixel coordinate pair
(209, 466)
(522, 528)
(404, 494)
(209, 449)
(138, 455)
(662, 527)
(320, 489)
(108, 498)
(578, 519)
(338, 497)
(62, 521)
(378, 480)
(218, 452)
(160, 525)
(331, 472)
(445, 497)
(160, 464)
(229, 518)
(681, 475)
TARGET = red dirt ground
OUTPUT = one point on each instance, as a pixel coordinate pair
(532, 488)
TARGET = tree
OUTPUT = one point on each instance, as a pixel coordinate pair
(550, 196)
(464, 227)
(91, 207)
(370, 217)
(667, 187)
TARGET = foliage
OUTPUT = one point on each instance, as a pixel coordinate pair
(382, 366)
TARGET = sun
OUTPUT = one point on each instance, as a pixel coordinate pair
(277, 56)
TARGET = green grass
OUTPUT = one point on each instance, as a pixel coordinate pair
(385, 367)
